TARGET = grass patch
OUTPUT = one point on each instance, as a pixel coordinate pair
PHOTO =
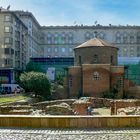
(12, 98)
(102, 111)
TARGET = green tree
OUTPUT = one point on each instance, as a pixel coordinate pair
(60, 79)
(32, 66)
(36, 82)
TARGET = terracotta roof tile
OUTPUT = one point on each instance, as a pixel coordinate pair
(95, 42)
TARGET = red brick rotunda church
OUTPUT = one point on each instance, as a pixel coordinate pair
(95, 70)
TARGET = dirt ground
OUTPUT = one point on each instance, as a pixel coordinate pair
(101, 111)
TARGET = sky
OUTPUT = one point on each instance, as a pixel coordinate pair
(77, 12)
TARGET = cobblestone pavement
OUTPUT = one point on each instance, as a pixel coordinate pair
(69, 134)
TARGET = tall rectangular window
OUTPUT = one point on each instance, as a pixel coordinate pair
(63, 50)
(79, 60)
(120, 81)
(7, 61)
(7, 29)
(7, 50)
(7, 18)
(111, 59)
(95, 59)
(70, 81)
(8, 40)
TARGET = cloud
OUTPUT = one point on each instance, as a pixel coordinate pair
(65, 12)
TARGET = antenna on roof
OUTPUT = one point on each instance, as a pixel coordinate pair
(96, 22)
(8, 7)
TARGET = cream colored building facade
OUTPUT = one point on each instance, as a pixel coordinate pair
(13, 41)
(35, 36)
(60, 40)
(20, 39)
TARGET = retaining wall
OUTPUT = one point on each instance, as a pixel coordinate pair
(116, 104)
(42, 105)
(69, 121)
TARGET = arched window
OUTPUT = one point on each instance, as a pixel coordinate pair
(101, 35)
(125, 38)
(56, 39)
(138, 37)
(63, 50)
(88, 36)
(132, 37)
(79, 60)
(111, 59)
(96, 76)
(95, 59)
(125, 51)
(49, 38)
(56, 49)
(70, 38)
(118, 37)
(63, 38)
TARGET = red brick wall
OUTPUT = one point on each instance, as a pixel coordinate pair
(81, 107)
(115, 105)
(75, 74)
(104, 55)
(93, 87)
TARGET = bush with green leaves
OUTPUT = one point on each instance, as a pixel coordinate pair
(109, 94)
(60, 79)
(32, 66)
(36, 82)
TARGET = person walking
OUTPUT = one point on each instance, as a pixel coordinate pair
(89, 110)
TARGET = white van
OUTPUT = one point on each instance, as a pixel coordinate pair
(13, 87)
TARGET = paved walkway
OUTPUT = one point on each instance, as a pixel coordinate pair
(69, 134)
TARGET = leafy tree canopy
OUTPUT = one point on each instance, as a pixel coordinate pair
(32, 66)
(36, 82)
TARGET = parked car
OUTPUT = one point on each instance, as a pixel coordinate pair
(12, 88)
(5, 90)
(1, 90)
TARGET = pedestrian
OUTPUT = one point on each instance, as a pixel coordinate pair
(89, 110)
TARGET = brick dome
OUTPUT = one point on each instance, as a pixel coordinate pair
(96, 51)
(95, 42)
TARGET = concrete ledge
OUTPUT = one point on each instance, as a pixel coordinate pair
(69, 121)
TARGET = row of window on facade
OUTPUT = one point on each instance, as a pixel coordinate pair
(8, 51)
(9, 29)
(7, 62)
(19, 64)
(130, 39)
(9, 18)
(90, 35)
(63, 38)
(59, 38)
(56, 50)
(129, 51)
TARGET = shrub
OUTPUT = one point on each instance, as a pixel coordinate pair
(32, 66)
(109, 94)
(60, 79)
(36, 82)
